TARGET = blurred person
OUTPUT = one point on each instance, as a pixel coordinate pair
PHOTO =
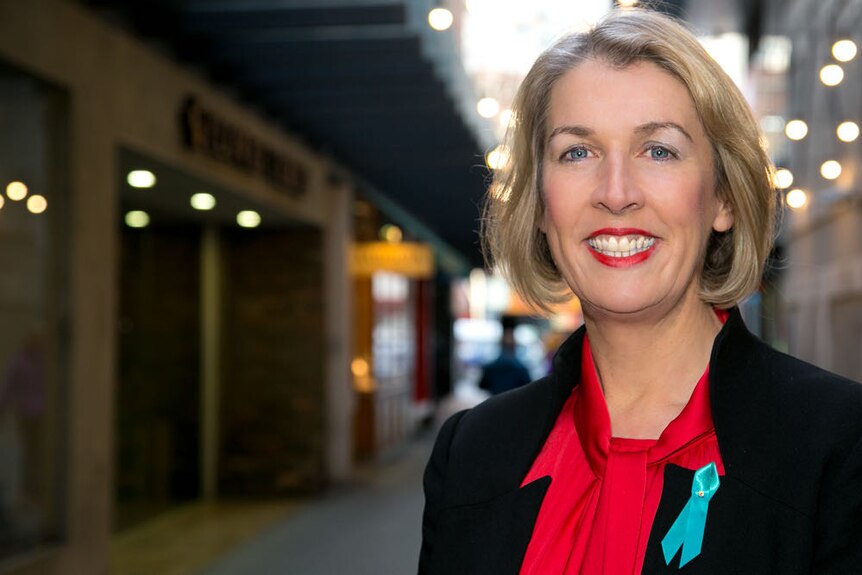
(668, 437)
(23, 400)
(506, 371)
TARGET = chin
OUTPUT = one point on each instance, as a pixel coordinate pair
(619, 306)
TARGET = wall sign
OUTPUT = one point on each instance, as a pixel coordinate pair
(410, 259)
(205, 132)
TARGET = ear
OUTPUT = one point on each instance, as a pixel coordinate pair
(724, 218)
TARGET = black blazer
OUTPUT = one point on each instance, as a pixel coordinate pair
(790, 436)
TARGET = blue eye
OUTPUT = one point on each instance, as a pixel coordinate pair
(660, 153)
(578, 153)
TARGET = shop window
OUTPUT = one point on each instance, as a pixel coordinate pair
(33, 313)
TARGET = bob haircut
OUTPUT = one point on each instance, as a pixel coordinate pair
(734, 260)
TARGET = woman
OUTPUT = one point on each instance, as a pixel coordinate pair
(667, 438)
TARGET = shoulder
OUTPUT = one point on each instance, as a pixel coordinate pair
(487, 449)
(784, 426)
(793, 392)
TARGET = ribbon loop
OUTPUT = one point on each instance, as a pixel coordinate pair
(687, 530)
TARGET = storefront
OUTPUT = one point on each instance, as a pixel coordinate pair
(393, 337)
(34, 312)
(155, 352)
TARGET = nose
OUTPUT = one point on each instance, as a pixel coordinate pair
(617, 192)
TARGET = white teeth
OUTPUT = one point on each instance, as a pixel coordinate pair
(621, 247)
(624, 244)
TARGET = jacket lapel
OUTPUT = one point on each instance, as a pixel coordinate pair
(489, 538)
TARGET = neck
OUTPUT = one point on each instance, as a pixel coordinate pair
(648, 369)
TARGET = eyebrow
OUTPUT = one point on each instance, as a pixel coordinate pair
(643, 129)
(580, 131)
(651, 127)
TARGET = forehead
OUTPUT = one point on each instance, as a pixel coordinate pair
(597, 95)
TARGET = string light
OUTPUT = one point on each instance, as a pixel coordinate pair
(797, 199)
(796, 129)
(847, 131)
(831, 74)
(440, 19)
(844, 50)
(830, 169)
(783, 178)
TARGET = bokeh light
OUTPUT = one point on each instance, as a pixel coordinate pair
(248, 219)
(390, 233)
(830, 169)
(844, 50)
(831, 74)
(488, 107)
(16, 191)
(203, 201)
(137, 219)
(37, 204)
(847, 131)
(796, 129)
(797, 199)
(498, 158)
(141, 179)
(440, 19)
(783, 178)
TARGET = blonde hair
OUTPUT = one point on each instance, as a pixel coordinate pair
(514, 208)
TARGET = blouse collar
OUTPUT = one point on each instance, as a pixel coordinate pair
(594, 425)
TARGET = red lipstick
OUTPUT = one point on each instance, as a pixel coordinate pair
(620, 232)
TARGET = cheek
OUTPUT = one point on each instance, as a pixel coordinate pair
(559, 204)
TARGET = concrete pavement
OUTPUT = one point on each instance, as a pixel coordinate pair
(371, 528)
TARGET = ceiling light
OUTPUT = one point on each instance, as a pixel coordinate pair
(831, 74)
(847, 131)
(830, 169)
(844, 50)
(797, 199)
(37, 204)
(783, 178)
(627, 3)
(440, 19)
(141, 179)
(16, 191)
(488, 107)
(796, 129)
(203, 201)
(137, 219)
(248, 219)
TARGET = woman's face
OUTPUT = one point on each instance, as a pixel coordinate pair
(629, 189)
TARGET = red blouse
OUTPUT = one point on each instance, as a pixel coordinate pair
(598, 511)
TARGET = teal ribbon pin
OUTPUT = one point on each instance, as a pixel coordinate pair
(687, 530)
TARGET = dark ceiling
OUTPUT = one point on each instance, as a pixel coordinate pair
(352, 78)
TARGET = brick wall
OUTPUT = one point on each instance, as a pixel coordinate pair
(272, 414)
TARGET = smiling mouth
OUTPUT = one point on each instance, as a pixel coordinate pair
(620, 246)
